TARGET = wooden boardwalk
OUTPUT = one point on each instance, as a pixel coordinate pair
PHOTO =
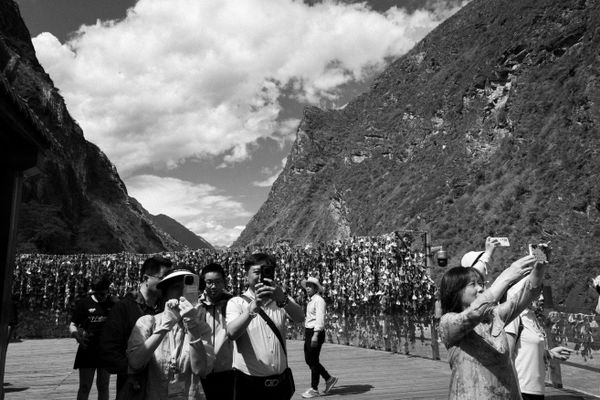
(42, 369)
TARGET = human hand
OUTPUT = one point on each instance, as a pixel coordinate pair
(596, 283)
(560, 353)
(490, 245)
(81, 338)
(187, 309)
(265, 291)
(518, 269)
(277, 294)
(314, 341)
(171, 315)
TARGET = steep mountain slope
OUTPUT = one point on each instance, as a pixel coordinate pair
(180, 233)
(488, 126)
(77, 203)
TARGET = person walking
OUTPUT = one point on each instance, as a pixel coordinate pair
(314, 336)
(88, 319)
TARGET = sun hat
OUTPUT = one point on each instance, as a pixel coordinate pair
(172, 275)
(314, 281)
(471, 258)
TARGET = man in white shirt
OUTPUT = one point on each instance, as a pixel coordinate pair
(314, 338)
(259, 356)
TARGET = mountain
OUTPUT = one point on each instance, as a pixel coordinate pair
(488, 126)
(180, 233)
(78, 202)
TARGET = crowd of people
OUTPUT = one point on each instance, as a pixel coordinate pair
(202, 324)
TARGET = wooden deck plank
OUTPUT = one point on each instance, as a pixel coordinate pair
(42, 369)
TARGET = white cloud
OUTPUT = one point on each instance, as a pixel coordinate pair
(274, 172)
(193, 78)
(199, 207)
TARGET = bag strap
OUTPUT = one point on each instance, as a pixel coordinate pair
(519, 329)
(269, 322)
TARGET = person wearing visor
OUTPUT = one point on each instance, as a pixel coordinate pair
(88, 319)
(481, 260)
(169, 344)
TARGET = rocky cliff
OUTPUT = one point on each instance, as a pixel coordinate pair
(180, 233)
(77, 203)
(488, 126)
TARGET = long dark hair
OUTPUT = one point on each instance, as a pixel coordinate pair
(453, 283)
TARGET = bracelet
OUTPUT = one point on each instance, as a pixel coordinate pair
(196, 341)
(283, 303)
(251, 314)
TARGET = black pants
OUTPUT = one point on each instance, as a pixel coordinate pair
(311, 355)
(527, 396)
(218, 385)
(248, 387)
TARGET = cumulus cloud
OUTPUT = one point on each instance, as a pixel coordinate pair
(192, 78)
(274, 174)
(201, 208)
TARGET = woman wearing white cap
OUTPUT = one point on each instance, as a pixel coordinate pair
(170, 344)
(481, 260)
(314, 338)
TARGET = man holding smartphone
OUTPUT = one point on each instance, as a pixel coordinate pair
(256, 321)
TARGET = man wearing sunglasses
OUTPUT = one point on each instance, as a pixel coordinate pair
(122, 318)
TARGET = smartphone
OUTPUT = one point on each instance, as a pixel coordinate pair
(266, 271)
(503, 241)
(541, 252)
(191, 288)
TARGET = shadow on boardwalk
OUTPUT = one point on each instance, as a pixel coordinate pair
(42, 369)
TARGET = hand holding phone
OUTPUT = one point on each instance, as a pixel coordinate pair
(541, 252)
(191, 288)
(502, 241)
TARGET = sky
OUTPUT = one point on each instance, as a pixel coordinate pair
(197, 102)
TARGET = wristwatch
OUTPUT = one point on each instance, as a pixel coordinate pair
(283, 303)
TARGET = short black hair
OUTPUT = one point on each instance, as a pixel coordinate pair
(453, 282)
(212, 267)
(259, 259)
(100, 283)
(154, 264)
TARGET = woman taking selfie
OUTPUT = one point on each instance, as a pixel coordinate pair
(472, 328)
(169, 344)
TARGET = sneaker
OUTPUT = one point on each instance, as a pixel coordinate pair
(331, 382)
(310, 393)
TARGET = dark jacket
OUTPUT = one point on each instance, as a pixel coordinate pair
(116, 331)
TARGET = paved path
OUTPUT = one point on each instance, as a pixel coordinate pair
(42, 369)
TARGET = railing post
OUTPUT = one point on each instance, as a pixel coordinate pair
(435, 346)
(555, 372)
